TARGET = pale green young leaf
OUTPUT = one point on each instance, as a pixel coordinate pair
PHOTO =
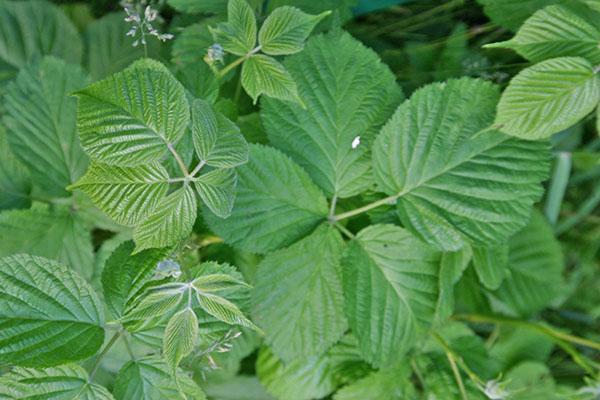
(455, 177)
(349, 94)
(33, 28)
(181, 336)
(285, 30)
(66, 382)
(548, 97)
(558, 31)
(217, 140)
(15, 182)
(276, 204)
(52, 232)
(224, 310)
(125, 275)
(170, 222)
(490, 263)
(132, 116)
(536, 264)
(217, 282)
(126, 194)
(298, 297)
(148, 378)
(264, 75)
(238, 34)
(40, 122)
(48, 314)
(391, 289)
(158, 302)
(216, 188)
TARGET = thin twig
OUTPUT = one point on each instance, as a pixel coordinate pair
(108, 346)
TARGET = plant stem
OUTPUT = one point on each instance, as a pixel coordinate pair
(237, 62)
(108, 346)
(128, 347)
(197, 169)
(343, 229)
(457, 377)
(457, 359)
(332, 207)
(370, 206)
(178, 159)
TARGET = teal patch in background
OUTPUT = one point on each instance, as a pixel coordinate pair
(367, 6)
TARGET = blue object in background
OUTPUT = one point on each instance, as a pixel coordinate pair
(367, 6)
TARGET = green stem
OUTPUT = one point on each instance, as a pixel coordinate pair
(457, 377)
(179, 160)
(457, 359)
(344, 230)
(237, 62)
(128, 347)
(108, 346)
(370, 206)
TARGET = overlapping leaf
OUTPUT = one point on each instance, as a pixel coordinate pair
(15, 182)
(181, 336)
(217, 190)
(264, 75)
(238, 34)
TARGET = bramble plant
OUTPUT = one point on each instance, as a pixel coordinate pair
(369, 229)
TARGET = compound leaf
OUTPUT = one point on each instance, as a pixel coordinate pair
(216, 188)
(264, 75)
(238, 34)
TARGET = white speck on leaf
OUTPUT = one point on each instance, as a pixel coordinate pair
(356, 142)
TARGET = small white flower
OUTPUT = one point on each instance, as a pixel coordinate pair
(356, 142)
(494, 390)
(150, 14)
(167, 268)
(132, 32)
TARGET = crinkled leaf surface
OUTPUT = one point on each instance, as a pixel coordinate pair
(265, 75)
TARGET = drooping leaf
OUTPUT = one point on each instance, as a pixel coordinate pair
(391, 289)
(548, 97)
(454, 177)
(264, 75)
(511, 14)
(40, 122)
(29, 29)
(48, 314)
(126, 194)
(171, 221)
(349, 93)
(238, 34)
(217, 190)
(148, 378)
(125, 275)
(285, 30)
(56, 233)
(535, 262)
(490, 263)
(181, 336)
(131, 117)
(15, 182)
(298, 297)
(558, 31)
(217, 140)
(66, 382)
(276, 204)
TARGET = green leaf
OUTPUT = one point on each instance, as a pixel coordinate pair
(181, 335)
(264, 75)
(298, 297)
(217, 190)
(548, 98)
(56, 233)
(238, 34)
(197, 7)
(391, 383)
(48, 314)
(223, 310)
(30, 29)
(535, 379)
(285, 30)
(391, 289)
(200, 80)
(536, 264)
(452, 267)
(558, 31)
(131, 117)
(276, 204)
(511, 14)
(455, 177)
(40, 122)
(66, 382)
(156, 304)
(217, 140)
(126, 194)
(125, 275)
(170, 222)
(110, 48)
(349, 93)
(217, 282)
(490, 263)
(148, 378)
(15, 182)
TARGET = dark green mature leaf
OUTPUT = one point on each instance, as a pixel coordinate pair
(56, 233)
(217, 190)
(66, 382)
(452, 267)
(511, 14)
(548, 98)
(393, 383)
(238, 34)
(148, 378)
(285, 30)
(126, 194)
(391, 290)
(48, 314)
(264, 75)
(170, 222)
(195, 6)
(36, 28)
(298, 297)
(15, 182)
(454, 177)
(125, 275)
(131, 117)
(349, 93)
(536, 264)
(557, 31)
(40, 122)
(191, 44)
(276, 204)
